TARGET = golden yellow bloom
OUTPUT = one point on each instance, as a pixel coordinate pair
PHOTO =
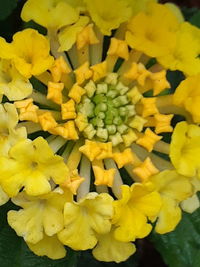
(105, 16)
(49, 14)
(187, 95)
(12, 83)
(29, 52)
(184, 54)
(138, 6)
(192, 203)
(31, 164)
(110, 249)
(138, 203)
(144, 34)
(173, 189)
(48, 246)
(3, 197)
(103, 105)
(85, 220)
(39, 216)
(9, 134)
(68, 36)
(185, 148)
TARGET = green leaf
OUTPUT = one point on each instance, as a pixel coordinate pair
(195, 19)
(181, 248)
(7, 7)
(188, 12)
(15, 253)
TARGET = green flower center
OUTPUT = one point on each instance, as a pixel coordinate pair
(108, 109)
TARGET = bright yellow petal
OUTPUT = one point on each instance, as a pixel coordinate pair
(169, 216)
(109, 249)
(50, 247)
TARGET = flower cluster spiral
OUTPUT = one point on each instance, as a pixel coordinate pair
(88, 104)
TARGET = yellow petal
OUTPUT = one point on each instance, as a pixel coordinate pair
(84, 220)
(105, 16)
(49, 14)
(169, 216)
(109, 249)
(48, 246)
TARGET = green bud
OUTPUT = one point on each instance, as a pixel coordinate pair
(120, 101)
(111, 129)
(117, 120)
(122, 128)
(102, 88)
(102, 134)
(116, 139)
(99, 99)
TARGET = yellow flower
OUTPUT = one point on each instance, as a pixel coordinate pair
(187, 95)
(12, 83)
(85, 220)
(29, 52)
(185, 149)
(184, 54)
(144, 34)
(3, 197)
(31, 164)
(39, 216)
(110, 249)
(9, 135)
(138, 6)
(78, 4)
(138, 203)
(192, 203)
(67, 36)
(173, 189)
(108, 14)
(49, 13)
(49, 246)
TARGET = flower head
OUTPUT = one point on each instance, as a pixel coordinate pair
(104, 104)
(31, 164)
(29, 52)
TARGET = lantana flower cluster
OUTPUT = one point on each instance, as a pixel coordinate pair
(90, 148)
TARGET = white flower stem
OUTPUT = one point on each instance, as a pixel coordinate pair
(83, 55)
(116, 187)
(50, 138)
(73, 56)
(54, 44)
(96, 50)
(67, 150)
(160, 163)
(57, 143)
(101, 189)
(74, 157)
(42, 99)
(85, 171)
(162, 147)
(31, 127)
(44, 78)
